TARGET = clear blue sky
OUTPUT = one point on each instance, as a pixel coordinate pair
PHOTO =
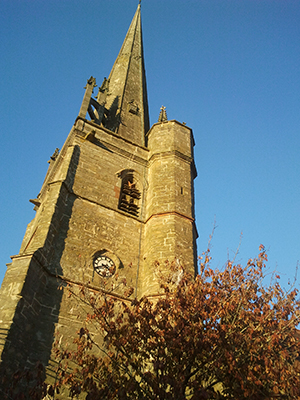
(228, 68)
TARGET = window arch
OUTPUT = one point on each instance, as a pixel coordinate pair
(130, 194)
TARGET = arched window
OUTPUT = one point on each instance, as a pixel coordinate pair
(129, 195)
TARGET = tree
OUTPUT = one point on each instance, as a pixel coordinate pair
(221, 335)
(26, 384)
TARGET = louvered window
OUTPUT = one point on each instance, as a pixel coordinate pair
(129, 197)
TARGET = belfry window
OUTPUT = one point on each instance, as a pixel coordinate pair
(129, 196)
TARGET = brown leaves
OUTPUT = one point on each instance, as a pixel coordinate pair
(217, 336)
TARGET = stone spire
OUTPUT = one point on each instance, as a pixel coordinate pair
(126, 100)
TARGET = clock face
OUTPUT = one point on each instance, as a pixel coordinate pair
(104, 266)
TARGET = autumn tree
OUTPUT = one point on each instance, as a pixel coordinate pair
(221, 335)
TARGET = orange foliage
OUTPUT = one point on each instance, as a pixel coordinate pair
(221, 335)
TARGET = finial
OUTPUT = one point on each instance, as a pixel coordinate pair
(55, 154)
(91, 81)
(140, 1)
(163, 115)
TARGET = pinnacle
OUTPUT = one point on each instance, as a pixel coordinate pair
(163, 115)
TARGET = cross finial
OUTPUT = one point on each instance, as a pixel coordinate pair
(163, 115)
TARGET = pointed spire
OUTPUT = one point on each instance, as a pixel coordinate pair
(163, 115)
(126, 99)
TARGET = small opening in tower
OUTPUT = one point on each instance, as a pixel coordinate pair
(129, 196)
(181, 190)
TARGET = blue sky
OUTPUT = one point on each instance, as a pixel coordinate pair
(228, 68)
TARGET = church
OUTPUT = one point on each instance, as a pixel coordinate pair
(118, 198)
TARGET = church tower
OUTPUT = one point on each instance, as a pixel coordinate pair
(118, 197)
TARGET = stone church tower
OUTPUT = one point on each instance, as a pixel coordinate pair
(117, 197)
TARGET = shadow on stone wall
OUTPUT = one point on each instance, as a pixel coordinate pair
(113, 119)
(31, 334)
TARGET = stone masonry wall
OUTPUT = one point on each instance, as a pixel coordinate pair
(78, 216)
(169, 231)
